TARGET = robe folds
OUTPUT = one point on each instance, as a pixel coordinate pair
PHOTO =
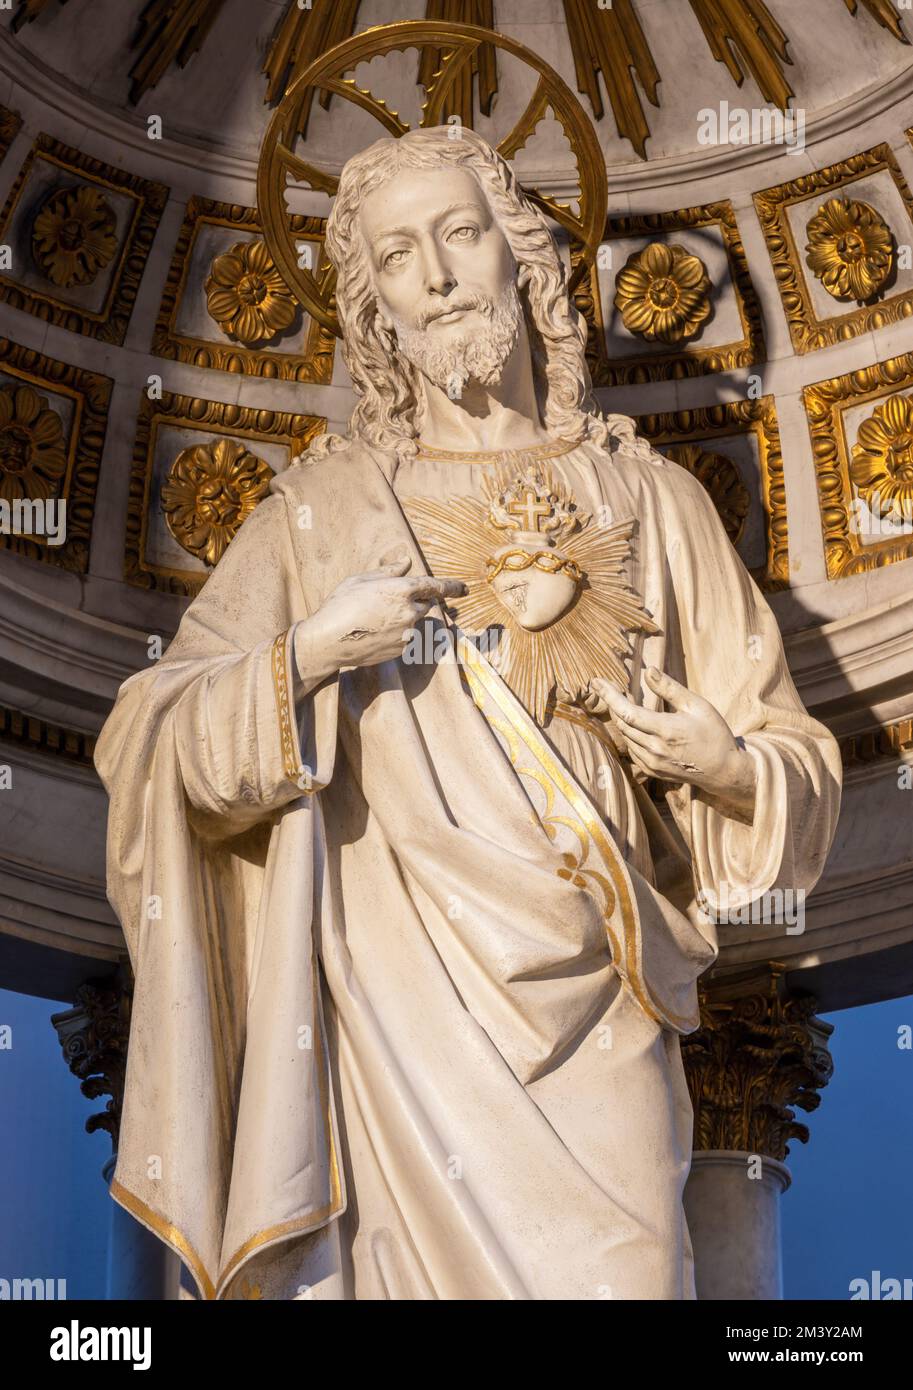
(409, 980)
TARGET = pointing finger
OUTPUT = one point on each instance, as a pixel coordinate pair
(424, 587)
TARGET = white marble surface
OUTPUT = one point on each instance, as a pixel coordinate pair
(732, 1204)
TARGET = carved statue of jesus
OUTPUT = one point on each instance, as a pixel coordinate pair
(418, 828)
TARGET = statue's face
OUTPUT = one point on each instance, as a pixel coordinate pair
(435, 250)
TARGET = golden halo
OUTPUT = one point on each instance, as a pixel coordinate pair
(278, 160)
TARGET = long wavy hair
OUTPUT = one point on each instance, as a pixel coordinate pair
(388, 410)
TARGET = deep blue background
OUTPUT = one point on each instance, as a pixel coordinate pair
(54, 1222)
(847, 1213)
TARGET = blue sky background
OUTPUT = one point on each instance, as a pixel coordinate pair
(847, 1213)
(54, 1221)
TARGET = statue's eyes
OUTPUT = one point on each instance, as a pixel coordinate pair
(466, 233)
(392, 258)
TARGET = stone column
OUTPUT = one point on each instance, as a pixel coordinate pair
(94, 1036)
(759, 1052)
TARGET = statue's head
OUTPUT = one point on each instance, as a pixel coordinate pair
(445, 269)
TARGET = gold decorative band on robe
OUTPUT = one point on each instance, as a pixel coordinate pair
(282, 685)
(596, 863)
(215, 1286)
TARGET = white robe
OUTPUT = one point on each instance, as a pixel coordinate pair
(381, 1045)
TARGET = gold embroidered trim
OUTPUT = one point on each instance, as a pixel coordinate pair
(166, 1232)
(301, 1225)
(287, 732)
(551, 449)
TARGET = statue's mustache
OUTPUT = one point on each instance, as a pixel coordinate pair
(482, 302)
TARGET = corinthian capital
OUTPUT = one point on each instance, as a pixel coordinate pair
(759, 1053)
(94, 1035)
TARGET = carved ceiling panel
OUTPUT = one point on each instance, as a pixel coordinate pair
(53, 418)
(226, 306)
(79, 233)
(670, 297)
(199, 469)
(734, 450)
(835, 238)
(861, 426)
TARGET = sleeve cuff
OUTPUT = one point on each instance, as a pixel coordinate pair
(307, 739)
(736, 862)
(283, 684)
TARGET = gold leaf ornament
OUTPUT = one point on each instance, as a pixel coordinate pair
(247, 296)
(460, 539)
(73, 236)
(210, 490)
(532, 576)
(663, 293)
(882, 463)
(850, 249)
(32, 447)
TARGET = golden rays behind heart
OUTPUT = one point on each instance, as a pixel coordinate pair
(551, 578)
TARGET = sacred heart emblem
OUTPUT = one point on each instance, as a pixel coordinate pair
(536, 597)
(540, 570)
(534, 579)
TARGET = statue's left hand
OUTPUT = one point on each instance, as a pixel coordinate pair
(690, 742)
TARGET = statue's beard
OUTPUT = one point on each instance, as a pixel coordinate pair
(480, 356)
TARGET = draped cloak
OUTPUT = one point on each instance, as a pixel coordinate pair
(409, 991)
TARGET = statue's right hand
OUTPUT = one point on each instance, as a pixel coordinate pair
(367, 619)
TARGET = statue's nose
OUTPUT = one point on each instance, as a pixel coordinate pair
(439, 278)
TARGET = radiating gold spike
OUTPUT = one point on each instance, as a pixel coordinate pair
(886, 14)
(28, 11)
(300, 37)
(458, 100)
(170, 31)
(438, 94)
(611, 41)
(744, 36)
